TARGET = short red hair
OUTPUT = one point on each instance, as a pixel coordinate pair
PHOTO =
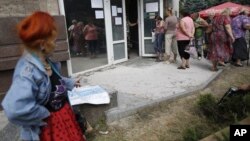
(35, 28)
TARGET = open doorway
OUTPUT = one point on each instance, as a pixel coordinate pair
(132, 30)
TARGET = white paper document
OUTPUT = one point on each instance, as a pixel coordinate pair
(99, 14)
(90, 95)
(96, 4)
(114, 10)
(118, 21)
(119, 10)
(152, 7)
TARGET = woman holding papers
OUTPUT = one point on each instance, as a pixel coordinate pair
(37, 99)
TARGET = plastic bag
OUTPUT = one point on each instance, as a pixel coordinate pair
(153, 36)
(191, 49)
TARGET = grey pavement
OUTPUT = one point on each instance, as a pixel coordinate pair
(141, 83)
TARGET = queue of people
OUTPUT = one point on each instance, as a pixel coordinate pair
(37, 98)
(219, 38)
(83, 39)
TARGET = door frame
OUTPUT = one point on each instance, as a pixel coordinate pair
(141, 27)
(109, 37)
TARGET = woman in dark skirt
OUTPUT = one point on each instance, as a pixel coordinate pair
(239, 25)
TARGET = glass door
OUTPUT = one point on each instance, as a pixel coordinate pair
(118, 31)
(148, 10)
(86, 34)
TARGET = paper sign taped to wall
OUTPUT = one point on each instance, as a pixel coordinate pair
(96, 4)
(89, 94)
(119, 10)
(152, 7)
(114, 10)
(99, 14)
(118, 21)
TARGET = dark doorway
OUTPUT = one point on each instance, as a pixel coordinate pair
(132, 21)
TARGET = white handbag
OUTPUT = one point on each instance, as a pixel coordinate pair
(153, 36)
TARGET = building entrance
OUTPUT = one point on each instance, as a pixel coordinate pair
(132, 30)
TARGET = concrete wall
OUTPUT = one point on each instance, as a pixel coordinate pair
(11, 12)
(25, 7)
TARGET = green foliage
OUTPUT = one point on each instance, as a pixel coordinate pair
(192, 134)
(207, 104)
(224, 137)
(231, 110)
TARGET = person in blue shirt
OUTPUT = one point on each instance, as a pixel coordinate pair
(37, 98)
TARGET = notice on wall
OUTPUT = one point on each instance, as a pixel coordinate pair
(96, 4)
(151, 15)
(119, 10)
(99, 14)
(114, 10)
(89, 94)
(118, 21)
(152, 7)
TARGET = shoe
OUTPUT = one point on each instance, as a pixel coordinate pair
(172, 61)
(181, 67)
(187, 66)
(167, 62)
(157, 60)
(214, 69)
(238, 65)
(199, 58)
(220, 64)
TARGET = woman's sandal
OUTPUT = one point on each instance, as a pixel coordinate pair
(181, 67)
(187, 66)
(214, 69)
(238, 65)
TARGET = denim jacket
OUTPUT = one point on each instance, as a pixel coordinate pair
(28, 93)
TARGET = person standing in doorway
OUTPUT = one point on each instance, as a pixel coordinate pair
(159, 36)
(170, 38)
(91, 37)
(184, 33)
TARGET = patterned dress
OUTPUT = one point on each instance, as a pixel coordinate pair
(239, 32)
(61, 124)
(220, 49)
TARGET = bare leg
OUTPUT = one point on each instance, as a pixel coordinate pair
(214, 67)
(187, 63)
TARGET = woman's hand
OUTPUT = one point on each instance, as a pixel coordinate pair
(233, 39)
(77, 82)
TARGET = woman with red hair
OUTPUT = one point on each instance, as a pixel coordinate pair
(37, 99)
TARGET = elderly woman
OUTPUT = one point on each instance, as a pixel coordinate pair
(240, 24)
(221, 37)
(170, 38)
(184, 33)
(37, 98)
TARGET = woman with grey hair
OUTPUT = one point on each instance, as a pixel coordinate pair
(240, 24)
(221, 37)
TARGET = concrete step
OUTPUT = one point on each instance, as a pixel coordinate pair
(93, 113)
(8, 131)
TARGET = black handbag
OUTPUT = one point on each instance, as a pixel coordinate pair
(80, 118)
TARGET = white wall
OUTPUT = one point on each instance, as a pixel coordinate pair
(176, 7)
